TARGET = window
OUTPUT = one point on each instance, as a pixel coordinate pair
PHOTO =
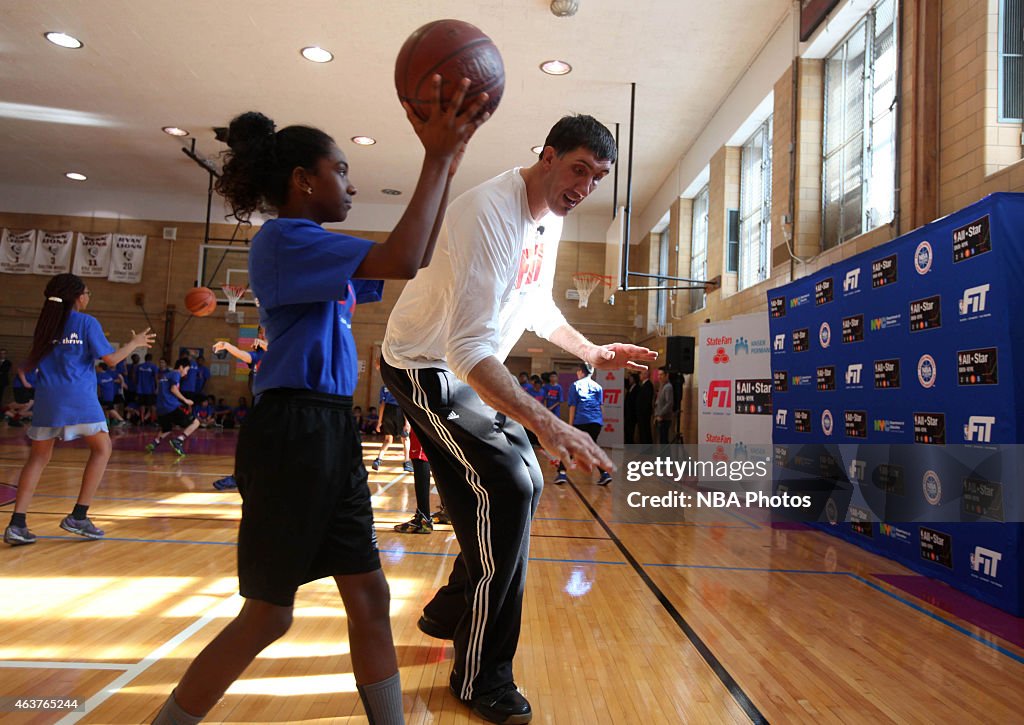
(699, 247)
(661, 239)
(859, 169)
(1011, 60)
(755, 206)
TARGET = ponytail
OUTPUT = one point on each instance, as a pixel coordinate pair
(61, 294)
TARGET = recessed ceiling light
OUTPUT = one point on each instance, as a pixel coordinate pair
(391, 192)
(364, 140)
(317, 54)
(174, 131)
(555, 67)
(75, 176)
(63, 40)
(537, 149)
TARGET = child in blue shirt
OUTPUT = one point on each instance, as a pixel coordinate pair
(174, 409)
(585, 398)
(65, 346)
(553, 395)
(306, 508)
(108, 382)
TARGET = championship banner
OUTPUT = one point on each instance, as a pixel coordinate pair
(53, 253)
(17, 251)
(612, 409)
(127, 255)
(92, 255)
(734, 360)
(899, 403)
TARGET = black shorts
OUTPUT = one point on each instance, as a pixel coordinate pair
(147, 399)
(306, 510)
(107, 404)
(23, 395)
(176, 417)
(119, 399)
(393, 422)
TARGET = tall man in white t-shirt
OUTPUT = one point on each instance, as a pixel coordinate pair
(446, 341)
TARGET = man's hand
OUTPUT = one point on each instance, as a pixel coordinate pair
(571, 446)
(619, 355)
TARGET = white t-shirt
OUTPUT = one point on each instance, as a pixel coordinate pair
(489, 280)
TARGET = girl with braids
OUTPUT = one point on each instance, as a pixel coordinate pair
(305, 501)
(65, 347)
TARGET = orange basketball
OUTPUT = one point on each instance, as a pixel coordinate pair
(201, 301)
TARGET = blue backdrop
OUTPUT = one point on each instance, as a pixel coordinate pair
(897, 399)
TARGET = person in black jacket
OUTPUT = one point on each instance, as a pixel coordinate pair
(629, 409)
(644, 408)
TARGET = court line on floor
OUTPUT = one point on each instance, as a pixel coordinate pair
(728, 681)
(179, 472)
(35, 664)
(902, 600)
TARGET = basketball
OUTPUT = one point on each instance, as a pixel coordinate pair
(455, 50)
(201, 301)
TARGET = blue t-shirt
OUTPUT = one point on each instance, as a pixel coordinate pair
(145, 378)
(386, 398)
(107, 382)
(587, 396)
(202, 374)
(301, 274)
(66, 377)
(190, 382)
(30, 377)
(165, 399)
(552, 398)
(537, 394)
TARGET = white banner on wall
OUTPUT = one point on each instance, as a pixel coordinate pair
(53, 253)
(612, 407)
(17, 251)
(734, 362)
(127, 255)
(92, 255)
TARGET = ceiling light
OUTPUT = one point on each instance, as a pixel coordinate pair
(556, 67)
(317, 54)
(364, 140)
(75, 176)
(537, 149)
(391, 192)
(63, 40)
(174, 131)
(564, 8)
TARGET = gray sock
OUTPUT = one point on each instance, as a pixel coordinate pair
(172, 714)
(383, 701)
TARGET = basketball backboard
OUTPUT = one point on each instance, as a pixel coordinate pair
(221, 264)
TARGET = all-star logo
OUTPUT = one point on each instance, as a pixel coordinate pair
(923, 258)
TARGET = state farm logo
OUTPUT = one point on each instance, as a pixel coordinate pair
(979, 428)
(926, 371)
(720, 394)
(720, 454)
(824, 334)
(931, 484)
(973, 300)
(851, 282)
(826, 422)
(721, 356)
(923, 258)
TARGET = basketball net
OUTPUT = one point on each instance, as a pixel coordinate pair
(233, 294)
(587, 282)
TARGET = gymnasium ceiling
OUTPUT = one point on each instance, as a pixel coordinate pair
(196, 63)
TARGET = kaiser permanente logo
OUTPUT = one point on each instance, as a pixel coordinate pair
(72, 339)
(973, 303)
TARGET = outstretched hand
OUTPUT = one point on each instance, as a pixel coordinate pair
(446, 131)
(144, 338)
(619, 355)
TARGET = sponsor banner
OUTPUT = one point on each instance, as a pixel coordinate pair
(127, 255)
(612, 382)
(17, 251)
(92, 255)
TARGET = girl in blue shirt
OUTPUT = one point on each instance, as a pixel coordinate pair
(65, 346)
(305, 502)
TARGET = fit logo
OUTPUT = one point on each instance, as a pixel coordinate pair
(986, 561)
(780, 343)
(720, 394)
(780, 416)
(852, 280)
(980, 426)
(973, 300)
(853, 373)
(856, 470)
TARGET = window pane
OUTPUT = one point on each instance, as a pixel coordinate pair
(699, 248)
(853, 178)
(854, 83)
(834, 101)
(882, 160)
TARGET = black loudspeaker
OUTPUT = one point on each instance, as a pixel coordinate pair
(679, 354)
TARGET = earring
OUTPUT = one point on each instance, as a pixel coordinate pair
(309, 190)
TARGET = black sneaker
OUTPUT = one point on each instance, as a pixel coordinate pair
(418, 524)
(505, 706)
(440, 516)
(433, 628)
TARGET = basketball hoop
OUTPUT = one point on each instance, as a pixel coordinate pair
(587, 282)
(233, 293)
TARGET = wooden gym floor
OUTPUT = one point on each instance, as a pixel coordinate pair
(718, 619)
